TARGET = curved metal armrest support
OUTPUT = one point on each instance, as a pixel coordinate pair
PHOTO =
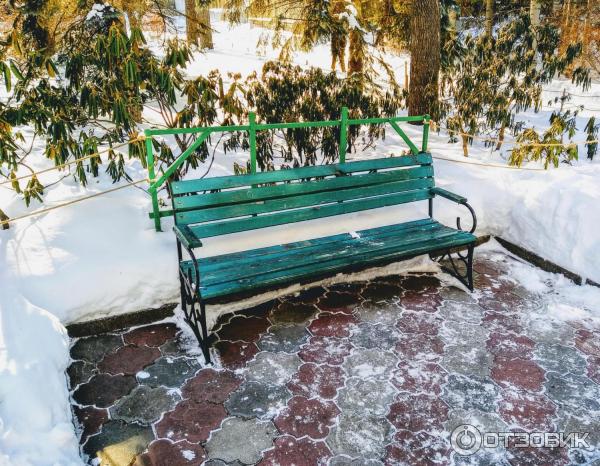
(459, 200)
(468, 206)
(195, 280)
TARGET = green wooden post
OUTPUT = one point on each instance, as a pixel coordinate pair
(252, 134)
(152, 177)
(343, 134)
(426, 121)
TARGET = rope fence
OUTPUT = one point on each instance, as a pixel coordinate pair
(146, 180)
(39, 212)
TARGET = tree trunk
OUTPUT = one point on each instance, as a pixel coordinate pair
(206, 40)
(192, 25)
(465, 145)
(424, 57)
(501, 137)
(489, 17)
(356, 52)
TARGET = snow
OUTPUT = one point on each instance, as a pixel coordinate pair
(102, 257)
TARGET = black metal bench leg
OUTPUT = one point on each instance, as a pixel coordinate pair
(452, 268)
(194, 311)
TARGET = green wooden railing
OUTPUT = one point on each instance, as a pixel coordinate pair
(252, 127)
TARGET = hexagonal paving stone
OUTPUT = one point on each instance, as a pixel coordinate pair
(418, 412)
(335, 302)
(306, 296)
(273, 368)
(290, 451)
(242, 328)
(593, 368)
(502, 322)
(461, 311)
(453, 331)
(168, 372)
(417, 449)
(544, 330)
(509, 345)
(421, 302)
(378, 291)
(129, 359)
(312, 380)
(360, 435)
(165, 453)
(342, 460)
(365, 396)
(284, 338)
(293, 313)
(365, 363)
(257, 399)
(93, 349)
(484, 422)
(144, 405)
(190, 420)
(211, 385)
(532, 412)
(303, 417)
(118, 443)
(90, 420)
(379, 313)
(103, 390)
(517, 372)
(589, 423)
(332, 325)
(151, 335)
(451, 293)
(470, 392)
(419, 377)
(234, 355)
(80, 372)
(538, 456)
(467, 360)
(423, 283)
(588, 342)
(374, 336)
(573, 392)
(560, 358)
(241, 440)
(326, 350)
(418, 347)
(419, 322)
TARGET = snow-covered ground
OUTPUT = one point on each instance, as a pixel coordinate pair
(102, 257)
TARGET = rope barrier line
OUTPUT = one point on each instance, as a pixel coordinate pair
(72, 162)
(487, 165)
(74, 201)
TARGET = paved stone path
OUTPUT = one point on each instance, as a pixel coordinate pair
(371, 373)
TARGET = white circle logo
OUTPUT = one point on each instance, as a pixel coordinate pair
(466, 439)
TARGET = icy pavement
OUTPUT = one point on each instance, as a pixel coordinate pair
(380, 372)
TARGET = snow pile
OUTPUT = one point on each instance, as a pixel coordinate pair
(35, 414)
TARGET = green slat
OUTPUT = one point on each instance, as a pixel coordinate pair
(236, 181)
(299, 187)
(209, 263)
(300, 201)
(280, 218)
(296, 273)
(352, 247)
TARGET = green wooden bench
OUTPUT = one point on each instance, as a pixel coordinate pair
(209, 207)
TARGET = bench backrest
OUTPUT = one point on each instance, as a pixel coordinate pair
(229, 204)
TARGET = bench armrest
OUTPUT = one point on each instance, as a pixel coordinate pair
(448, 195)
(186, 237)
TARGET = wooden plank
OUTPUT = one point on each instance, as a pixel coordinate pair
(298, 187)
(293, 274)
(357, 248)
(449, 195)
(398, 229)
(310, 213)
(236, 181)
(306, 248)
(300, 201)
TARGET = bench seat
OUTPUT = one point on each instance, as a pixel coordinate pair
(270, 267)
